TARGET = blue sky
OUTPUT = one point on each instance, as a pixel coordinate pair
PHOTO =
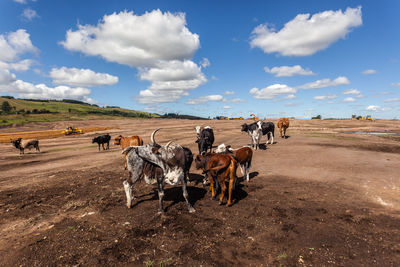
(206, 58)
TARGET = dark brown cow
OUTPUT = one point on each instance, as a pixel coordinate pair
(128, 141)
(283, 124)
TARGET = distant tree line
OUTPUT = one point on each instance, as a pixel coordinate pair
(178, 116)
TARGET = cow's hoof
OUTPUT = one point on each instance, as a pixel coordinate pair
(129, 206)
(160, 212)
(229, 204)
(192, 210)
(221, 203)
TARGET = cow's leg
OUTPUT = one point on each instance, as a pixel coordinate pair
(241, 169)
(37, 148)
(99, 146)
(247, 168)
(223, 190)
(160, 196)
(272, 138)
(108, 145)
(186, 196)
(128, 191)
(212, 186)
(231, 184)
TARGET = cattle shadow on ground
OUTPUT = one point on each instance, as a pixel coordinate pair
(252, 175)
(195, 178)
(173, 194)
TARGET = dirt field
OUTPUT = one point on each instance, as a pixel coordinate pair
(322, 197)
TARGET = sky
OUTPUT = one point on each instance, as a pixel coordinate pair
(207, 58)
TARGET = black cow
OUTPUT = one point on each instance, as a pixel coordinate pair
(267, 128)
(255, 132)
(205, 140)
(101, 140)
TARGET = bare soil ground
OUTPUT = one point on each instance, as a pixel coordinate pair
(321, 197)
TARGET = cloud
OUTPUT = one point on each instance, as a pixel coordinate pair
(395, 84)
(135, 40)
(272, 91)
(374, 108)
(288, 71)
(291, 104)
(348, 99)
(81, 77)
(6, 78)
(170, 80)
(305, 35)
(205, 62)
(397, 99)
(23, 1)
(325, 83)
(22, 65)
(229, 92)
(41, 91)
(226, 107)
(291, 96)
(214, 78)
(204, 99)
(324, 97)
(235, 100)
(366, 72)
(29, 14)
(351, 92)
(14, 44)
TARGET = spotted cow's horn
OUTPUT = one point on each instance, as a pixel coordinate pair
(152, 136)
(167, 145)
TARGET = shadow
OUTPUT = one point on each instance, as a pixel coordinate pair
(253, 175)
(287, 136)
(195, 178)
(262, 146)
(237, 194)
(173, 194)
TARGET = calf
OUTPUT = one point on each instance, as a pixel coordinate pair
(26, 144)
(267, 128)
(205, 140)
(283, 124)
(222, 167)
(243, 156)
(101, 140)
(171, 159)
(255, 132)
(125, 142)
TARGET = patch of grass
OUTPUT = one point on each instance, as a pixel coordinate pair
(149, 263)
(166, 263)
(282, 256)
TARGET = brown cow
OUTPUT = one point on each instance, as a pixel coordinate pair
(222, 167)
(283, 124)
(243, 156)
(128, 141)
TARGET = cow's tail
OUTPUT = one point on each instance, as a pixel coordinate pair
(219, 168)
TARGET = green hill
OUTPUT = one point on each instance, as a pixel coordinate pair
(33, 110)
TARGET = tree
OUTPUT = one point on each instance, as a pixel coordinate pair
(316, 117)
(6, 107)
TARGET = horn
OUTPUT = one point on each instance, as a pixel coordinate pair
(152, 136)
(167, 145)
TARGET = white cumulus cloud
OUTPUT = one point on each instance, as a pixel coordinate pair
(325, 83)
(14, 44)
(374, 108)
(288, 71)
(204, 99)
(351, 92)
(305, 34)
(229, 92)
(272, 91)
(135, 40)
(81, 77)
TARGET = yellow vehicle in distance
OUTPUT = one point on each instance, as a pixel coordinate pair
(71, 130)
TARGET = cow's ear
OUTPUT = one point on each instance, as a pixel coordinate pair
(154, 150)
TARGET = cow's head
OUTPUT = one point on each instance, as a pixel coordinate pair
(94, 140)
(200, 162)
(16, 142)
(245, 127)
(117, 140)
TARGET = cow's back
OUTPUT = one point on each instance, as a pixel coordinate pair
(131, 141)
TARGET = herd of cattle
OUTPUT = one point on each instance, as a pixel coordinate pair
(170, 163)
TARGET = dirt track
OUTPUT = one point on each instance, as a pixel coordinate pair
(320, 197)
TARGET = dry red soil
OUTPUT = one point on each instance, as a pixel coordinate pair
(322, 197)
